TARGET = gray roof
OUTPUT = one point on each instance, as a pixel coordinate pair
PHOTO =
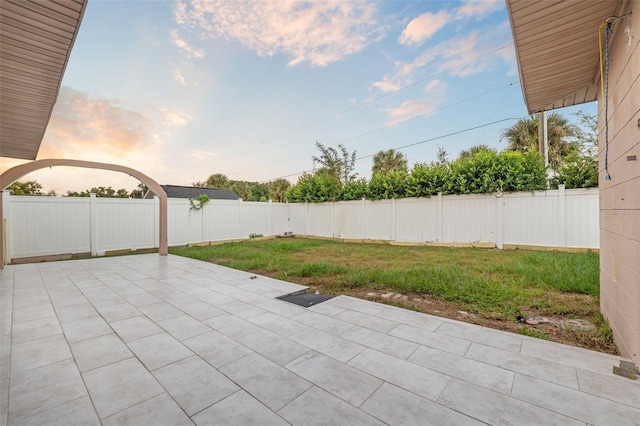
(175, 191)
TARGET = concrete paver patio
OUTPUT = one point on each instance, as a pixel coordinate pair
(150, 340)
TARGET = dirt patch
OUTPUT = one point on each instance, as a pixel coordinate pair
(556, 329)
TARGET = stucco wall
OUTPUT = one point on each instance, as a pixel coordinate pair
(620, 197)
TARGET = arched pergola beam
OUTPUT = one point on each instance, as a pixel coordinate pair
(13, 174)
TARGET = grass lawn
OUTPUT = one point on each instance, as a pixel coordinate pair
(490, 287)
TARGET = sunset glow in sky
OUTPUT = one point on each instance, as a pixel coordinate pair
(181, 90)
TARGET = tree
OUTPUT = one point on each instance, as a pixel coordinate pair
(339, 164)
(587, 134)
(30, 187)
(314, 188)
(523, 136)
(387, 186)
(442, 156)
(466, 153)
(389, 161)
(242, 188)
(101, 191)
(140, 191)
(278, 189)
(217, 180)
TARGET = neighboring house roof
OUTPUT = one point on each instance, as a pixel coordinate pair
(175, 191)
(36, 38)
(556, 46)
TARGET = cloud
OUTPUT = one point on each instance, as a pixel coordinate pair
(436, 87)
(201, 155)
(187, 50)
(465, 55)
(423, 27)
(175, 118)
(315, 32)
(410, 109)
(478, 9)
(82, 127)
(189, 55)
(386, 85)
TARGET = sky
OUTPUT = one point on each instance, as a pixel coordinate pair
(180, 90)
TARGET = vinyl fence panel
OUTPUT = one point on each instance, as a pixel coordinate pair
(58, 225)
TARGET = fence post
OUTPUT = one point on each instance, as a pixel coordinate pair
(499, 220)
(364, 218)
(393, 219)
(270, 217)
(6, 214)
(333, 235)
(239, 216)
(306, 218)
(440, 218)
(156, 219)
(562, 216)
(93, 231)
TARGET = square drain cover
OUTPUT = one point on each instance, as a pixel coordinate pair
(305, 299)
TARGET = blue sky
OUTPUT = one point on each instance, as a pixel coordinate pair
(181, 90)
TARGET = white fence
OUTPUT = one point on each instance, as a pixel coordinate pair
(39, 226)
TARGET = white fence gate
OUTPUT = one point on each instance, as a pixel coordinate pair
(39, 226)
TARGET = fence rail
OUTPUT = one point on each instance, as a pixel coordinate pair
(39, 226)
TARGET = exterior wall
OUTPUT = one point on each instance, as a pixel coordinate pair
(620, 197)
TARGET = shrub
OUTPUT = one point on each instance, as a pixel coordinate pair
(389, 185)
(578, 171)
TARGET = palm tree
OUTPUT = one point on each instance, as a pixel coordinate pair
(523, 136)
(389, 161)
(278, 189)
(217, 180)
(468, 153)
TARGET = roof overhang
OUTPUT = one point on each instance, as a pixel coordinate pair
(556, 43)
(36, 38)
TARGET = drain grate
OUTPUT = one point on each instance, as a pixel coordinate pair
(305, 299)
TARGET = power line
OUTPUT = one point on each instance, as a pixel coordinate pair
(429, 112)
(370, 101)
(387, 126)
(415, 143)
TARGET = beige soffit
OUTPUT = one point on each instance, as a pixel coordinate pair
(556, 44)
(36, 38)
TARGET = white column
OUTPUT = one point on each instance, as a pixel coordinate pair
(6, 215)
(364, 218)
(156, 221)
(440, 218)
(333, 235)
(393, 219)
(93, 231)
(499, 220)
(562, 217)
(270, 217)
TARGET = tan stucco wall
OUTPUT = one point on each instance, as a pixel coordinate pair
(620, 197)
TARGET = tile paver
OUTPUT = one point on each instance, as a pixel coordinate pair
(194, 384)
(346, 382)
(40, 389)
(121, 385)
(240, 409)
(168, 340)
(318, 407)
(400, 407)
(261, 377)
(99, 351)
(159, 350)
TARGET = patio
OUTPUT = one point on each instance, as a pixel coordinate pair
(158, 340)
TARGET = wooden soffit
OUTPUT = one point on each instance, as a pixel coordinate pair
(556, 44)
(36, 38)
